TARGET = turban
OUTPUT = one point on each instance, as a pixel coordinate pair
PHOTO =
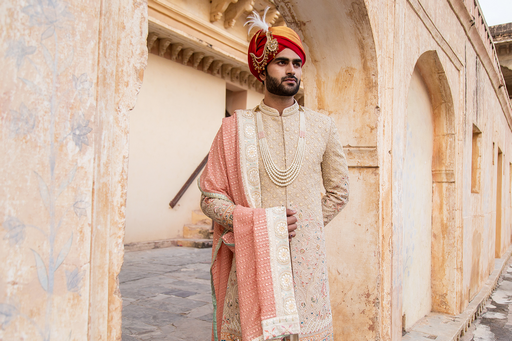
(264, 47)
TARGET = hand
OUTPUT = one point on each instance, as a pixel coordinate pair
(292, 222)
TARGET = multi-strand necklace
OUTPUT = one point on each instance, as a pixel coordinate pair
(282, 177)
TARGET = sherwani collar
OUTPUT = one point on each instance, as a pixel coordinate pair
(291, 110)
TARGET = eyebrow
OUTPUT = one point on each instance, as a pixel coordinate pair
(288, 59)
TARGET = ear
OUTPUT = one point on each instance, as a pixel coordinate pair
(263, 75)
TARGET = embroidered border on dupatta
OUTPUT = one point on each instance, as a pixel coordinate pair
(248, 151)
(287, 320)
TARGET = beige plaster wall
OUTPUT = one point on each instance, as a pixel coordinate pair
(71, 72)
(177, 115)
(253, 98)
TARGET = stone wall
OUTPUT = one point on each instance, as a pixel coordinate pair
(71, 72)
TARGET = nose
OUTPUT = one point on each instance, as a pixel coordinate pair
(290, 69)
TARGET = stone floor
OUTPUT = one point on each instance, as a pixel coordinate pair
(495, 323)
(166, 294)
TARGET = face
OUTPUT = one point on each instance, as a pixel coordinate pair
(283, 74)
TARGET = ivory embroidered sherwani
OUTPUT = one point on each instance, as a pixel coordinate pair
(318, 193)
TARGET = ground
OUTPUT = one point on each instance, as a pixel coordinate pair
(166, 294)
(495, 323)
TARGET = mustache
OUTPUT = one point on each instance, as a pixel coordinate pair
(289, 77)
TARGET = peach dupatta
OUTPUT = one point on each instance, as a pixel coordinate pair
(259, 238)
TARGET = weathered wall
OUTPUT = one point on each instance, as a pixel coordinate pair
(71, 71)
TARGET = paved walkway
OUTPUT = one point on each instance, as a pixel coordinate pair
(166, 295)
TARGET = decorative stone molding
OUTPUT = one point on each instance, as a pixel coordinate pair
(175, 49)
(232, 10)
(244, 76)
(504, 48)
(252, 83)
(152, 37)
(259, 86)
(207, 61)
(236, 10)
(226, 71)
(187, 53)
(235, 75)
(280, 21)
(218, 7)
(198, 56)
(272, 16)
(162, 46)
(216, 67)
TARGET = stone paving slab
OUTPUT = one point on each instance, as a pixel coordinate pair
(166, 295)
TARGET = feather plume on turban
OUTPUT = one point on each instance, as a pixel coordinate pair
(268, 42)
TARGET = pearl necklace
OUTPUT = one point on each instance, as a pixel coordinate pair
(282, 177)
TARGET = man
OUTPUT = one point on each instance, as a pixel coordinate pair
(262, 187)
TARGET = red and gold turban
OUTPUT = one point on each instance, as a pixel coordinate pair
(264, 47)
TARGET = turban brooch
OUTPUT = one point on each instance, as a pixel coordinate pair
(268, 42)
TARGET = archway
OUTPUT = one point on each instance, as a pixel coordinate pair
(417, 203)
(445, 274)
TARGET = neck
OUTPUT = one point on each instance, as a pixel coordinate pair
(278, 102)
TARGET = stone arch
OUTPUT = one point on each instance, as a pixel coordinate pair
(340, 80)
(445, 257)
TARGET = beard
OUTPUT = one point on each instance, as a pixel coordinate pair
(276, 87)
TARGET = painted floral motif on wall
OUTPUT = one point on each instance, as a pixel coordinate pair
(49, 114)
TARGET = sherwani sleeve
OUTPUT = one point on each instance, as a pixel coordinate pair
(335, 176)
(218, 210)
